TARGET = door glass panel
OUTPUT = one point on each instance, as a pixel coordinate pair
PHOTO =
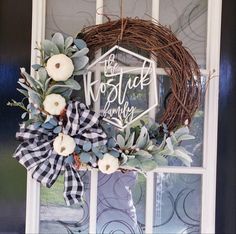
(195, 147)
(188, 20)
(132, 8)
(177, 206)
(121, 203)
(56, 217)
(69, 16)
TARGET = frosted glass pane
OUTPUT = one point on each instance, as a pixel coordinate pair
(188, 20)
(131, 8)
(69, 16)
(196, 126)
(177, 203)
(121, 203)
(56, 217)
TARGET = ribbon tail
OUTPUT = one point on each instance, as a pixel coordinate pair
(48, 171)
(74, 188)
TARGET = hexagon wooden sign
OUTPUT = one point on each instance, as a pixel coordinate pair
(122, 82)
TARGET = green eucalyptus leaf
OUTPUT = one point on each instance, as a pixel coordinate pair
(36, 66)
(47, 126)
(87, 146)
(114, 153)
(111, 143)
(57, 129)
(85, 157)
(80, 44)
(97, 152)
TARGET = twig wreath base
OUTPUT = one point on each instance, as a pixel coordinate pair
(160, 42)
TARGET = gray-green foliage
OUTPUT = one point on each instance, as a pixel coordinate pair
(141, 150)
(36, 88)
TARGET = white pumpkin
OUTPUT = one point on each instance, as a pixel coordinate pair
(64, 145)
(54, 104)
(60, 67)
(108, 164)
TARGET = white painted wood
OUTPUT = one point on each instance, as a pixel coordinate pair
(33, 187)
(211, 118)
(94, 173)
(210, 130)
(150, 175)
(93, 202)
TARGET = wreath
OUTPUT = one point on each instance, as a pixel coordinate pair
(60, 134)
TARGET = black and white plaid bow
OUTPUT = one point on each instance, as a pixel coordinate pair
(37, 155)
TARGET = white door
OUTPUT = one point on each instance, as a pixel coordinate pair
(172, 199)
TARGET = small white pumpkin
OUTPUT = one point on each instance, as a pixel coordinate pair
(108, 164)
(60, 67)
(64, 145)
(54, 104)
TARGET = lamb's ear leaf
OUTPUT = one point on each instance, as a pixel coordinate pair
(24, 92)
(68, 42)
(58, 40)
(80, 53)
(130, 141)
(133, 163)
(120, 140)
(50, 48)
(148, 165)
(73, 83)
(80, 62)
(160, 160)
(42, 74)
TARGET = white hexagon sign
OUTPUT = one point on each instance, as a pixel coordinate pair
(124, 83)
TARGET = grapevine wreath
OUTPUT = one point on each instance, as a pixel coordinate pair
(62, 135)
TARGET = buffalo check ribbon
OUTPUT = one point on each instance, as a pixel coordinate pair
(37, 155)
